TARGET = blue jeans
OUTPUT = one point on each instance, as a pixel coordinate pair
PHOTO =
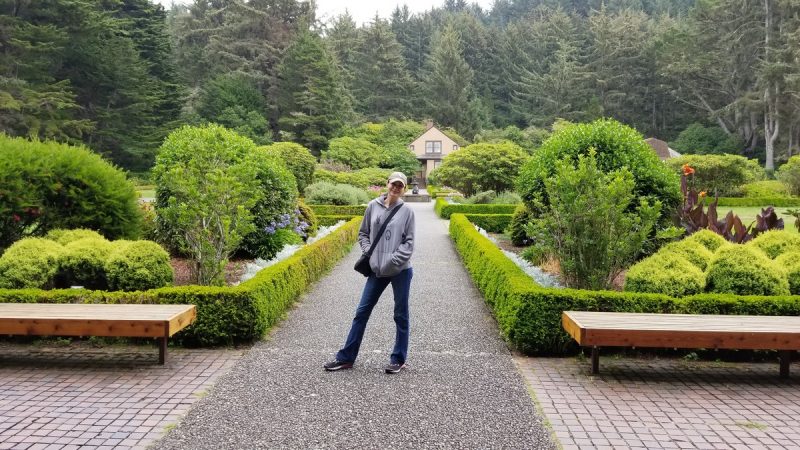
(401, 284)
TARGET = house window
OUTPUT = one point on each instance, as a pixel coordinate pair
(437, 163)
(455, 146)
(411, 147)
(433, 146)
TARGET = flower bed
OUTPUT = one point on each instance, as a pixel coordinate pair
(225, 315)
(529, 315)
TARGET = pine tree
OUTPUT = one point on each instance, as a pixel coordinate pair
(312, 103)
(383, 85)
(449, 85)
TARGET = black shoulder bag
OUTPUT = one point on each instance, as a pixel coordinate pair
(362, 265)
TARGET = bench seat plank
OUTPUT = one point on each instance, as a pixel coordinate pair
(94, 319)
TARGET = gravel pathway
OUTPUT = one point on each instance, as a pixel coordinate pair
(460, 389)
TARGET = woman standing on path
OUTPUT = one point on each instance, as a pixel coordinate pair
(390, 263)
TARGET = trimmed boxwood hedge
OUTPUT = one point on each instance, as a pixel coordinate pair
(493, 223)
(529, 316)
(338, 210)
(445, 210)
(326, 221)
(762, 201)
(225, 315)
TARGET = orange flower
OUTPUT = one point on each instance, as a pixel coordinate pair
(687, 170)
(702, 194)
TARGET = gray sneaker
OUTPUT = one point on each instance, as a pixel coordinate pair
(394, 367)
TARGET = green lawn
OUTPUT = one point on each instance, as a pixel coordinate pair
(748, 215)
(146, 191)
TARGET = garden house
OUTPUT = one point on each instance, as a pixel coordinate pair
(430, 147)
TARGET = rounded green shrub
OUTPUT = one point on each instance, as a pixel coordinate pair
(789, 174)
(522, 216)
(616, 146)
(353, 152)
(789, 261)
(765, 189)
(47, 185)
(710, 240)
(362, 178)
(665, 273)
(719, 174)
(278, 184)
(30, 263)
(324, 193)
(307, 215)
(65, 237)
(692, 251)
(775, 242)
(82, 263)
(138, 266)
(745, 270)
(298, 160)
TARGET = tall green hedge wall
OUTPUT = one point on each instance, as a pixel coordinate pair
(529, 315)
(225, 315)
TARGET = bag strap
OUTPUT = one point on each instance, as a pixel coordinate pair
(383, 227)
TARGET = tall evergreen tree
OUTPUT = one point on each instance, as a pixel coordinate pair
(448, 85)
(383, 85)
(312, 103)
(343, 40)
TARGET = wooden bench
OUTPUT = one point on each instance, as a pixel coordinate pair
(132, 320)
(611, 329)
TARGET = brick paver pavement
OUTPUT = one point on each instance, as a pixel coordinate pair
(109, 397)
(666, 403)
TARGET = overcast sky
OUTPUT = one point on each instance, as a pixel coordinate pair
(363, 11)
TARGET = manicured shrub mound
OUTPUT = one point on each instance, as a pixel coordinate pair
(775, 242)
(692, 251)
(710, 240)
(82, 263)
(138, 266)
(46, 185)
(30, 263)
(665, 273)
(65, 237)
(744, 270)
(790, 262)
(324, 193)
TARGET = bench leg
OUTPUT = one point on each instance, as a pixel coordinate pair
(162, 350)
(595, 360)
(785, 357)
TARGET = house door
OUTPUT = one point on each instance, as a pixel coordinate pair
(419, 178)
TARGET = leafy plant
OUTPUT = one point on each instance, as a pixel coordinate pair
(796, 214)
(694, 217)
(789, 173)
(482, 167)
(591, 225)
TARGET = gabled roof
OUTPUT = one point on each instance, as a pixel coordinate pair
(662, 149)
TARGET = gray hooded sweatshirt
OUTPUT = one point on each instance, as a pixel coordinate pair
(392, 255)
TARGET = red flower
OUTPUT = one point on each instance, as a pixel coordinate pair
(16, 218)
(687, 170)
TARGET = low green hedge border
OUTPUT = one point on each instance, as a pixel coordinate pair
(762, 201)
(225, 315)
(445, 210)
(326, 221)
(493, 223)
(338, 210)
(529, 316)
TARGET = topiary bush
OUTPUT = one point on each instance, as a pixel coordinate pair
(789, 174)
(482, 167)
(790, 262)
(298, 160)
(765, 189)
(307, 215)
(30, 263)
(616, 146)
(775, 242)
(710, 240)
(693, 251)
(65, 237)
(280, 189)
(138, 266)
(47, 185)
(722, 175)
(745, 270)
(665, 273)
(324, 193)
(519, 221)
(82, 263)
